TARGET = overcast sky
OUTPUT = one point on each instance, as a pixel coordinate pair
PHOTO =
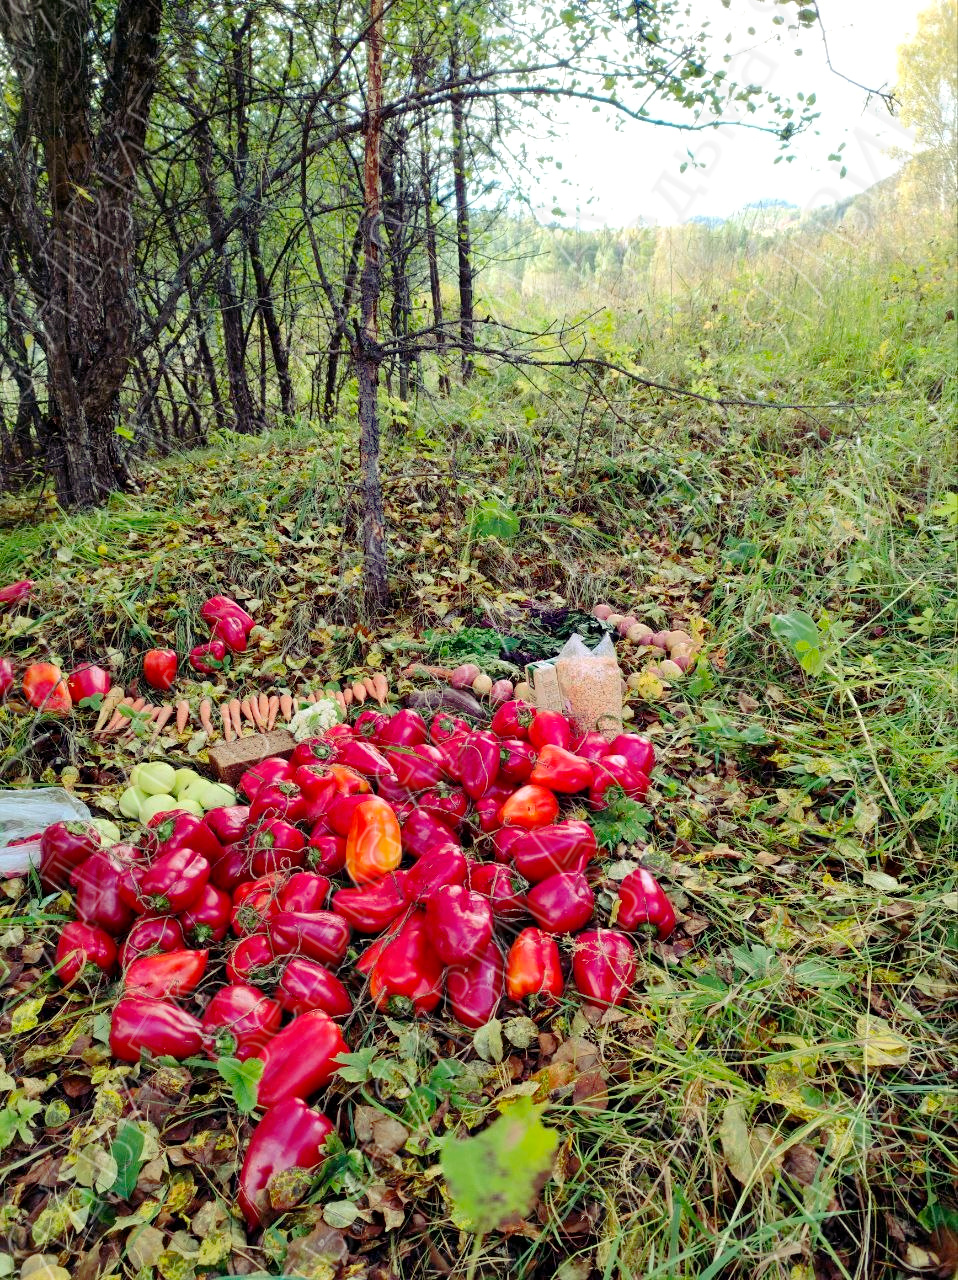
(616, 177)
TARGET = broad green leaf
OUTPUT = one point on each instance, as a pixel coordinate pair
(243, 1079)
(495, 1175)
(127, 1151)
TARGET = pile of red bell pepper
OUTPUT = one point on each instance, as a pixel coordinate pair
(424, 859)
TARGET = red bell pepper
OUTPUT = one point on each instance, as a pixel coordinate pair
(459, 923)
(276, 845)
(6, 676)
(566, 846)
(16, 591)
(371, 908)
(591, 746)
(362, 756)
(389, 789)
(449, 804)
(279, 799)
(100, 888)
(516, 760)
(81, 945)
(228, 822)
(504, 842)
(253, 960)
(502, 887)
(560, 770)
(474, 991)
(339, 816)
(207, 659)
(615, 773)
(208, 920)
(320, 935)
(301, 1058)
(168, 832)
(530, 806)
(272, 769)
(368, 724)
(289, 1136)
(513, 720)
(642, 900)
(159, 668)
(305, 985)
(217, 607)
(479, 763)
(45, 688)
(326, 852)
(639, 751)
(550, 728)
(87, 682)
(172, 882)
(406, 977)
(240, 1020)
(232, 633)
(162, 1029)
(63, 846)
(404, 729)
(423, 833)
(312, 751)
(533, 967)
(442, 866)
(233, 869)
(446, 728)
(255, 902)
(604, 965)
(562, 903)
(304, 891)
(373, 845)
(172, 973)
(149, 935)
(417, 768)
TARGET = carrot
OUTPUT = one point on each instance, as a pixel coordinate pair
(381, 686)
(244, 708)
(118, 718)
(359, 691)
(182, 715)
(348, 696)
(138, 705)
(108, 706)
(160, 720)
(205, 722)
(286, 706)
(263, 709)
(228, 733)
(236, 716)
(369, 684)
(339, 698)
(273, 710)
(254, 712)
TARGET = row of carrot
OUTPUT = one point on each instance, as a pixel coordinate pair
(122, 712)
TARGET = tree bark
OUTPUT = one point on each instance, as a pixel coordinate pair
(367, 351)
(432, 257)
(467, 330)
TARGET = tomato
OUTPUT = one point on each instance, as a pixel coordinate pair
(45, 688)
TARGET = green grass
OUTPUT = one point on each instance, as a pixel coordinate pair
(804, 824)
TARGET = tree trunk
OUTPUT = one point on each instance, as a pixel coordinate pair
(432, 257)
(339, 332)
(467, 333)
(367, 351)
(264, 301)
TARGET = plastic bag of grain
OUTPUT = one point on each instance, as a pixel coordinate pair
(591, 685)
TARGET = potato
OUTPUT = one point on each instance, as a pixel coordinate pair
(669, 670)
(614, 619)
(659, 639)
(639, 634)
(523, 692)
(601, 611)
(634, 681)
(677, 638)
(482, 685)
(626, 625)
(683, 657)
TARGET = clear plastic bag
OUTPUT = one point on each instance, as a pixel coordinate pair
(591, 683)
(28, 813)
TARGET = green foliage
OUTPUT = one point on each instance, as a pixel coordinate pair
(494, 519)
(243, 1079)
(623, 819)
(495, 1175)
(127, 1150)
(16, 1120)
